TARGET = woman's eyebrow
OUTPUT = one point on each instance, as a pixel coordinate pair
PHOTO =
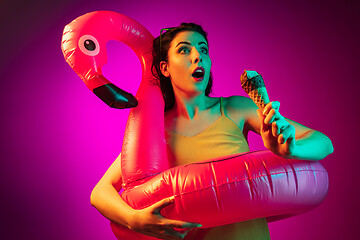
(190, 43)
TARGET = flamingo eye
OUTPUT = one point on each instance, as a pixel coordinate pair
(89, 45)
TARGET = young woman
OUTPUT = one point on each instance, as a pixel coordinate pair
(200, 127)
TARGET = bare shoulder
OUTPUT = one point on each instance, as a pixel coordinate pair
(242, 111)
(239, 103)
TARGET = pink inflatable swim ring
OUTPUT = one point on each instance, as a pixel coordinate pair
(260, 184)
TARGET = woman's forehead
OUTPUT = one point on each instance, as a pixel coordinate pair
(192, 37)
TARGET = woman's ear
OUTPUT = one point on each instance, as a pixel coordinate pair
(164, 68)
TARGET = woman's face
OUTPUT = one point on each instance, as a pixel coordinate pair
(188, 64)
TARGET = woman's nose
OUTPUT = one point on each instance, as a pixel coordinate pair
(196, 56)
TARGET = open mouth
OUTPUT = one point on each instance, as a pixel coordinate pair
(198, 73)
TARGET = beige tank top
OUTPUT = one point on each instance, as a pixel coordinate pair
(220, 139)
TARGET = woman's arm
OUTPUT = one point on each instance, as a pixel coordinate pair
(106, 199)
(280, 135)
(288, 138)
(309, 144)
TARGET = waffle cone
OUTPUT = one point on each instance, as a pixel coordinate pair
(255, 88)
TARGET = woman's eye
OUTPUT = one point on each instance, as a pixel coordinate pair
(204, 50)
(184, 50)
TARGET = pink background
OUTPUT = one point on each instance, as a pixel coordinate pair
(57, 138)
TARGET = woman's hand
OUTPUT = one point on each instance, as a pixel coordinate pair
(278, 135)
(149, 221)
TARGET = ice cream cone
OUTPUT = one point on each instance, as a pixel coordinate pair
(254, 86)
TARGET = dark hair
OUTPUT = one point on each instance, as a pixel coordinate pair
(162, 55)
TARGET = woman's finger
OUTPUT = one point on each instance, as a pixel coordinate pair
(271, 105)
(165, 233)
(279, 126)
(288, 132)
(181, 224)
(162, 203)
(275, 129)
(156, 235)
(272, 116)
(263, 127)
(172, 233)
(290, 144)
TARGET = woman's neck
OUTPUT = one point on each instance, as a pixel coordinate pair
(190, 106)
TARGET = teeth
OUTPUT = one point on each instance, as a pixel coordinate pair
(198, 73)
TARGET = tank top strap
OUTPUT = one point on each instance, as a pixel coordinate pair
(221, 106)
